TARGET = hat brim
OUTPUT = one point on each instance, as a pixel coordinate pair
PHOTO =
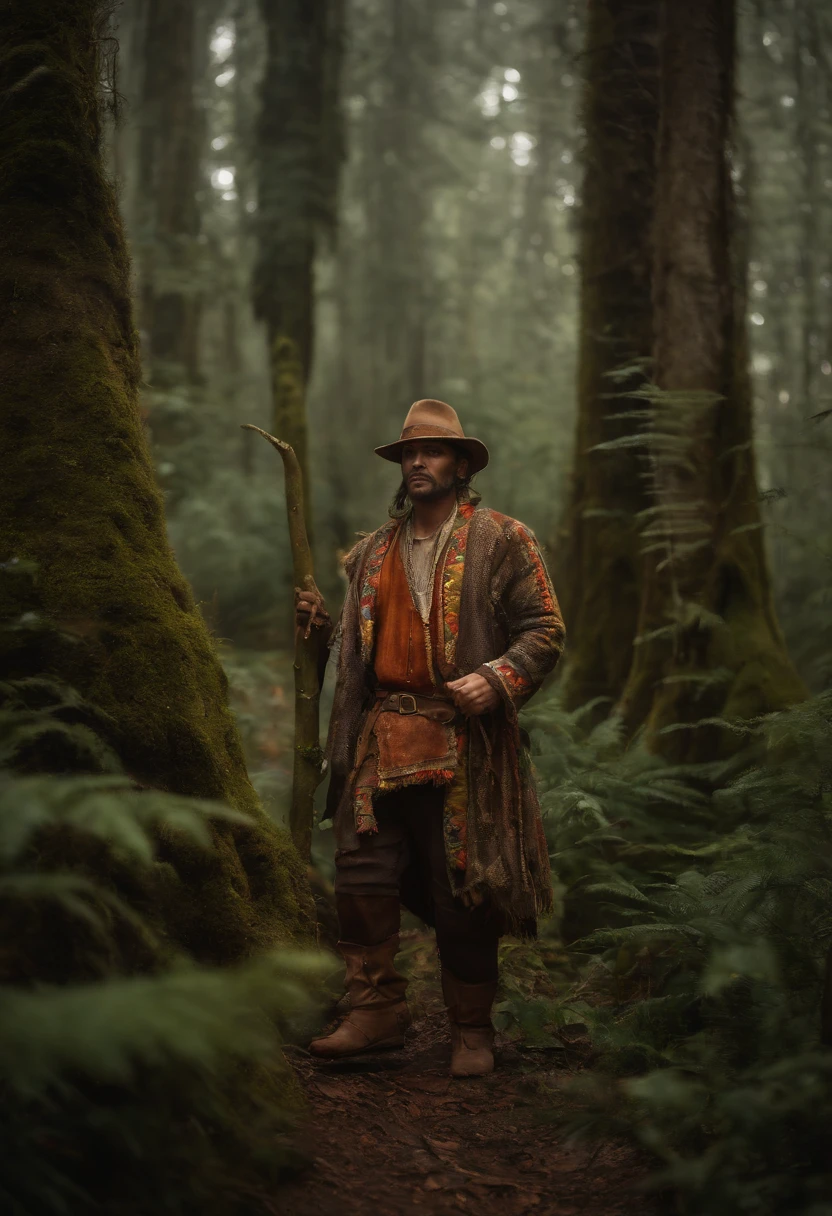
(474, 449)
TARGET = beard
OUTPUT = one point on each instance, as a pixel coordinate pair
(430, 488)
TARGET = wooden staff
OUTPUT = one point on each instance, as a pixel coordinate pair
(308, 768)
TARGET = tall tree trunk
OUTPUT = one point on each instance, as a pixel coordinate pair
(382, 310)
(168, 221)
(78, 498)
(399, 207)
(806, 34)
(598, 555)
(710, 643)
(299, 150)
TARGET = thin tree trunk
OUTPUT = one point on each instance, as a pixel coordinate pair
(598, 552)
(299, 149)
(398, 205)
(710, 643)
(168, 222)
(812, 255)
(78, 498)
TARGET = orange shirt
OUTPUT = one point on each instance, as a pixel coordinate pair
(401, 656)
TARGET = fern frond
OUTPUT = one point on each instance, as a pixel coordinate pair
(110, 808)
(191, 1017)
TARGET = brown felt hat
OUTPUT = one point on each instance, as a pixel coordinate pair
(431, 419)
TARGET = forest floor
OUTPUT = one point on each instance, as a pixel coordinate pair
(393, 1134)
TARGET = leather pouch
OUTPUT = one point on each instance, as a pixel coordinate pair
(409, 743)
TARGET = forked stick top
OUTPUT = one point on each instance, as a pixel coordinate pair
(304, 571)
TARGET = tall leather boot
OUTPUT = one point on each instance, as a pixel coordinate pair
(472, 1034)
(378, 1015)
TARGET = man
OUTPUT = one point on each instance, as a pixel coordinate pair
(449, 625)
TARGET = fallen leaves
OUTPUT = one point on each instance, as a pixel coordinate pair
(430, 1085)
(336, 1091)
(401, 1138)
(442, 1146)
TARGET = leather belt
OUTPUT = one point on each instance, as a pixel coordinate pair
(407, 703)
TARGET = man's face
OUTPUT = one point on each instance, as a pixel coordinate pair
(430, 468)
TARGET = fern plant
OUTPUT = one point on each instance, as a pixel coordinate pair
(612, 813)
(125, 1094)
(714, 967)
(132, 1081)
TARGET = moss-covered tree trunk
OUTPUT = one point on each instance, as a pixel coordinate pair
(299, 155)
(78, 498)
(710, 643)
(598, 555)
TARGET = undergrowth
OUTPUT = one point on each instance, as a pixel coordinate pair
(132, 1080)
(703, 896)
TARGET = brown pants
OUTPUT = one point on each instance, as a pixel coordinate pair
(410, 838)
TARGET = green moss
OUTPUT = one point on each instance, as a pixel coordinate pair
(78, 495)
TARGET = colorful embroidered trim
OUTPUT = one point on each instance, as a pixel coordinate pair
(425, 776)
(365, 819)
(452, 576)
(365, 795)
(369, 587)
(516, 682)
(455, 825)
(368, 785)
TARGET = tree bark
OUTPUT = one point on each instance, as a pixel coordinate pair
(598, 553)
(79, 501)
(709, 641)
(299, 150)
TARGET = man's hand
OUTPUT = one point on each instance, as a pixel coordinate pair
(474, 695)
(310, 610)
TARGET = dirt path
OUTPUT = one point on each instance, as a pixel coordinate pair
(393, 1134)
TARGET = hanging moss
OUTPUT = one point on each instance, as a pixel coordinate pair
(78, 498)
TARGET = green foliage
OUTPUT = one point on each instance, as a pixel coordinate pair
(714, 889)
(230, 537)
(133, 1080)
(226, 514)
(534, 981)
(611, 811)
(46, 726)
(174, 1078)
(109, 808)
(260, 693)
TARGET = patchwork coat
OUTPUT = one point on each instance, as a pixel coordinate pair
(500, 618)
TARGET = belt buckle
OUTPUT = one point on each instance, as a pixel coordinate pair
(413, 707)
